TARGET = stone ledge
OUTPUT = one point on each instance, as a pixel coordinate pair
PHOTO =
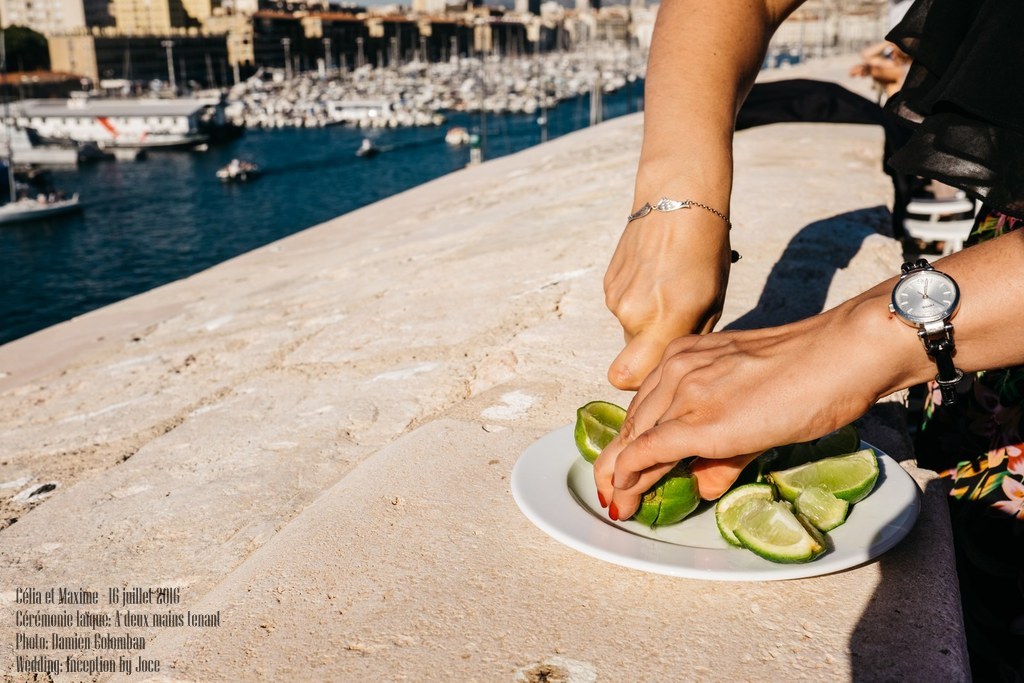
(254, 423)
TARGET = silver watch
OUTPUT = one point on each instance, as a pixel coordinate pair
(928, 299)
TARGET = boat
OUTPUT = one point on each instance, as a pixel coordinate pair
(28, 209)
(154, 124)
(239, 171)
(367, 149)
(457, 136)
(20, 207)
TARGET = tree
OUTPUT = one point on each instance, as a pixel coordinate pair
(26, 49)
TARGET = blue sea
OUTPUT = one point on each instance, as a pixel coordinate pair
(153, 221)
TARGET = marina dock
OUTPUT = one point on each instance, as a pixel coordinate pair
(308, 447)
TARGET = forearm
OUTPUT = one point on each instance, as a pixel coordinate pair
(704, 57)
(988, 330)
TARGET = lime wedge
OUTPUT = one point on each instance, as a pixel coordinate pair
(597, 423)
(670, 500)
(840, 442)
(822, 508)
(730, 507)
(667, 502)
(850, 477)
(771, 530)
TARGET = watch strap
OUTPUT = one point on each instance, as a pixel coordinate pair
(919, 264)
(941, 348)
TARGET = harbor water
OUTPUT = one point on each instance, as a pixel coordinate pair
(153, 221)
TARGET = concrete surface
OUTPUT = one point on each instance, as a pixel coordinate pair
(314, 440)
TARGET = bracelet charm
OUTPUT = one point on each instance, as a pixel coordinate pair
(665, 205)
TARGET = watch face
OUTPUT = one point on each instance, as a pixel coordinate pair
(925, 296)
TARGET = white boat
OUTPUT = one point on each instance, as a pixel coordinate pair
(27, 209)
(132, 123)
(21, 208)
(238, 171)
(367, 149)
(457, 136)
(357, 112)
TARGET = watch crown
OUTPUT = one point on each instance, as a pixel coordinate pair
(892, 309)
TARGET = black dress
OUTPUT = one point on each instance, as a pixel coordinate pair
(965, 102)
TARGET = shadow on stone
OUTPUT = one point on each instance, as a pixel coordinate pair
(799, 282)
(882, 646)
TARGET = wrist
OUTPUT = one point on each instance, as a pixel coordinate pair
(679, 176)
(899, 359)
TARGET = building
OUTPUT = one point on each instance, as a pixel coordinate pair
(199, 58)
(528, 7)
(156, 17)
(428, 6)
(48, 17)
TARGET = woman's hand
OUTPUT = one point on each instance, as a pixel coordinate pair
(729, 396)
(667, 278)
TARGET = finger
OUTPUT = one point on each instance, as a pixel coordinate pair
(640, 355)
(604, 468)
(625, 502)
(715, 477)
(661, 396)
(663, 443)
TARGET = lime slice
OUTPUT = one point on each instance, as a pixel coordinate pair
(843, 441)
(822, 508)
(597, 423)
(850, 477)
(840, 442)
(730, 507)
(670, 500)
(771, 530)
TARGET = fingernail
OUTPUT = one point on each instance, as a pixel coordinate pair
(600, 499)
(613, 512)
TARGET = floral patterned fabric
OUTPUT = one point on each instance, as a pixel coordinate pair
(977, 446)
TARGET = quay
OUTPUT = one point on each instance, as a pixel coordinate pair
(314, 440)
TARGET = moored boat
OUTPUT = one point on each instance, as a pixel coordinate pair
(28, 209)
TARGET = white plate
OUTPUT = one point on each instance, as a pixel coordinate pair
(554, 487)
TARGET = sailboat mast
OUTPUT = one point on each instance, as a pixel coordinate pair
(7, 111)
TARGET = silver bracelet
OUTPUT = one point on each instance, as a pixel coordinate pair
(665, 205)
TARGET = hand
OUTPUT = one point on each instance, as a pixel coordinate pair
(667, 278)
(729, 396)
(886, 64)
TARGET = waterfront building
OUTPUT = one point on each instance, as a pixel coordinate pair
(103, 55)
(272, 39)
(429, 6)
(528, 7)
(286, 6)
(231, 47)
(155, 17)
(442, 38)
(48, 17)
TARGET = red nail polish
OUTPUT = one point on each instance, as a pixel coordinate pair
(601, 500)
(613, 512)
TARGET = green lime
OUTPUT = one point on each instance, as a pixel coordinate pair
(597, 423)
(730, 508)
(850, 477)
(840, 442)
(822, 508)
(771, 530)
(667, 502)
(670, 500)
